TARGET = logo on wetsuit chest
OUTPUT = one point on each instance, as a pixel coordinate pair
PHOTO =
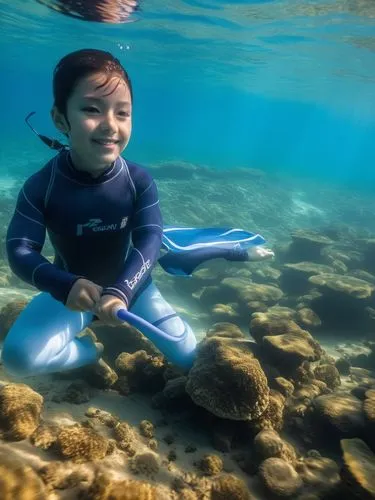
(96, 226)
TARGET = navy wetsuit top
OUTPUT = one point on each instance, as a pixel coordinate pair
(106, 229)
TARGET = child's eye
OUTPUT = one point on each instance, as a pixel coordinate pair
(90, 109)
(124, 113)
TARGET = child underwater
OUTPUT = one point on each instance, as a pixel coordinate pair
(104, 222)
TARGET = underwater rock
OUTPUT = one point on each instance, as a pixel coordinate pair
(273, 416)
(294, 278)
(266, 275)
(45, 435)
(308, 318)
(362, 275)
(146, 429)
(306, 246)
(142, 371)
(19, 481)
(225, 329)
(224, 312)
(125, 437)
(227, 380)
(175, 388)
(268, 443)
(320, 474)
(81, 444)
(228, 486)
(343, 365)
(211, 465)
(289, 350)
(9, 314)
(359, 468)
(20, 411)
(56, 475)
(369, 412)
(266, 324)
(279, 477)
(244, 291)
(284, 386)
(146, 463)
(343, 285)
(104, 417)
(328, 374)
(104, 488)
(338, 415)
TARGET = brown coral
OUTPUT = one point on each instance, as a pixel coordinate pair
(244, 291)
(45, 435)
(20, 410)
(103, 488)
(273, 416)
(145, 463)
(269, 444)
(359, 468)
(228, 486)
(228, 380)
(81, 444)
(125, 437)
(272, 323)
(339, 413)
(343, 285)
(224, 329)
(142, 371)
(328, 374)
(146, 428)
(211, 465)
(319, 473)
(284, 386)
(279, 477)
(57, 475)
(17, 480)
(9, 314)
(291, 349)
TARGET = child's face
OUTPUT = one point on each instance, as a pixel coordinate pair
(100, 122)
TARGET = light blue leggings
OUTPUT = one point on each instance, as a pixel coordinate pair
(43, 337)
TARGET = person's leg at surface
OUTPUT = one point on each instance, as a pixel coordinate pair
(151, 306)
(43, 339)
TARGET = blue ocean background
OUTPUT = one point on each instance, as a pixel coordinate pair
(287, 87)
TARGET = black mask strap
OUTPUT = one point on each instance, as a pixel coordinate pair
(51, 143)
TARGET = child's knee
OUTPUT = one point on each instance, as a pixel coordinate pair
(17, 361)
(174, 326)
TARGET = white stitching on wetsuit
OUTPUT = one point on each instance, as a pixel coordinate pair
(26, 217)
(144, 208)
(130, 178)
(50, 184)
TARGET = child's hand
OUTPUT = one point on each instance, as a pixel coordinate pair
(106, 310)
(83, 296)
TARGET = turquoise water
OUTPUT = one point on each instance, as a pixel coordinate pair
(282, 86)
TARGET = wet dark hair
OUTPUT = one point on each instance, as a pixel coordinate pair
(80, 64)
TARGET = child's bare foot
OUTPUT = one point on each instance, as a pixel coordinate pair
(259, 253)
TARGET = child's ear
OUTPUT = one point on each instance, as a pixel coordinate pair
(59, 120)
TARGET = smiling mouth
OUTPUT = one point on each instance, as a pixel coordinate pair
(105, 142)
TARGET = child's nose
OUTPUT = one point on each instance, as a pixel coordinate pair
(109, 122)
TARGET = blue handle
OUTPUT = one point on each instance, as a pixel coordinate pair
(145, 327)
